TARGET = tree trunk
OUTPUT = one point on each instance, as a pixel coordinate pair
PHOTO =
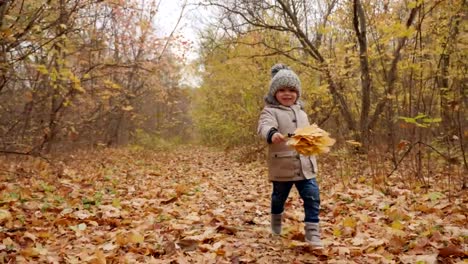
(359, 22)
(446, 106)
(56, 98)
(3, 69)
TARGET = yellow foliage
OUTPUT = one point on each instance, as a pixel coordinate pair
(311, 140)
(349, 222)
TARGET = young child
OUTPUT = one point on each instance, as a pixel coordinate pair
(281, 115)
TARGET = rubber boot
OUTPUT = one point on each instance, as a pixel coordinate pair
(276, 220)
(312, 235)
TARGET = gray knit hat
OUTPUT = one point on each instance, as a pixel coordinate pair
(282, 76)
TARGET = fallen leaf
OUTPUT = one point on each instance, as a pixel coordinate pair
(99, 258)
(30, 252)
(188, 244)
(452, 251)
(136, 237)
(5, 215)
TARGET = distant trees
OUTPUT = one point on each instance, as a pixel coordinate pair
(84, 72)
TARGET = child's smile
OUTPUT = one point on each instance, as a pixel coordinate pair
(286, 96)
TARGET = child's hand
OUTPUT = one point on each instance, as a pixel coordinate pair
(278, 138)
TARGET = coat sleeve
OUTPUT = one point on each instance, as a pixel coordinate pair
(266, 122)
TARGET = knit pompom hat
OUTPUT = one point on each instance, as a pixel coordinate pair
(282, 76)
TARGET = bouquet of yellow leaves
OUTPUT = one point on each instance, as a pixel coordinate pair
(311, 140)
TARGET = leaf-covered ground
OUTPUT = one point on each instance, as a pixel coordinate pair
(195, 205)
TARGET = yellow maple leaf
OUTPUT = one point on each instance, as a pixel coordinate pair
(311, 140)
(349, 222)
(136, 237)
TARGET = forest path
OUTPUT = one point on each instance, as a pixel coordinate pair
(196, 205)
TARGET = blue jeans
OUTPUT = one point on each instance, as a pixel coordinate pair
(310, 194)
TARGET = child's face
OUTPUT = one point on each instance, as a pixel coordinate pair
(286, 96)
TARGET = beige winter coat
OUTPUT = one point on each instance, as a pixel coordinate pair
(284, 163)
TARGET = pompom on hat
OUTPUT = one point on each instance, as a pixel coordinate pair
(282, 76)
